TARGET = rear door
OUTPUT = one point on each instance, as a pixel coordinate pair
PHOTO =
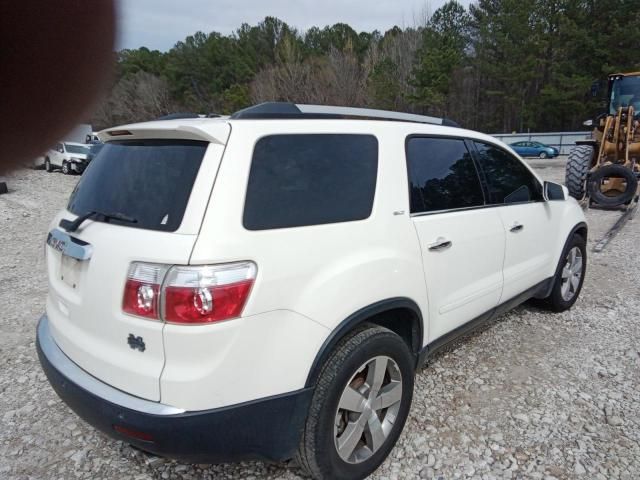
(462, 241)
(159, 189)
(56, 155)
(528, 221)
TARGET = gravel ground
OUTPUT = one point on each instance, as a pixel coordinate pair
(533, 395)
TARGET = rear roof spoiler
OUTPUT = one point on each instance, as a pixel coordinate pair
(283, 110)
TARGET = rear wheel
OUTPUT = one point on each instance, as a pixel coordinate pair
(359, 406)
(47, 165)
(578, 165)
(569, 276)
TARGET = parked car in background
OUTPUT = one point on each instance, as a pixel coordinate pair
(535, 149)
(92, 138)
(70, 157)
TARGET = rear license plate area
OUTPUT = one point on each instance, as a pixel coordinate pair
(70, 271)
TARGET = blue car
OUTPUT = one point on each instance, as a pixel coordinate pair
(534, 149)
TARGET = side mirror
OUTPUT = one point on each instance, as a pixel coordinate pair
(553, 191)
(595, 89)
(588, 123)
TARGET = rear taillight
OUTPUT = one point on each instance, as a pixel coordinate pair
(188, 294)
(207, 294)
(142, 290)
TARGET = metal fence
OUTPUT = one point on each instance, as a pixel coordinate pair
(563, 141)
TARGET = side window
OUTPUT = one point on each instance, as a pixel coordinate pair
(442, 175)
(310, 179)
(508, 180)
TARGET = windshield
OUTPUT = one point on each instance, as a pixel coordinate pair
(625, 92)
(76, 148)
(146, 180)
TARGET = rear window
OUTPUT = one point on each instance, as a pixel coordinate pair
(147, 180)
(310, 179)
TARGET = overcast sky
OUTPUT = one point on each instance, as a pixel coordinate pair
(159, 24)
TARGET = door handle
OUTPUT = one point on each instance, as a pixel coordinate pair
(441, 243)
(516, 227)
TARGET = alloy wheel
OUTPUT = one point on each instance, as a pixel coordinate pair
(571, 274)
(367, 409)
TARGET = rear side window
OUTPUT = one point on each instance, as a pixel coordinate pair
(310, 179)
(442, 175)
(508, 180)
(149, 181)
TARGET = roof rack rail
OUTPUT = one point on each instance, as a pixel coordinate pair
(280, 110)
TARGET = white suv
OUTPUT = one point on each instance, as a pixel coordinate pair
(69, 157)
(266, 285)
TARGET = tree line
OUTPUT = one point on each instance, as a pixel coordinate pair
(497, 66)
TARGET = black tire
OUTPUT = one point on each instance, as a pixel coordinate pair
(543, 155)
(65, 168)
(317, 453)
(47, 165)
(555, 301)
(615, 171)
(578, 165)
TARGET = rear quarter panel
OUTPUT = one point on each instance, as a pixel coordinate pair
(323, 273)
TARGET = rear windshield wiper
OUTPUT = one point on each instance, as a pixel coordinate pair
(72, 226)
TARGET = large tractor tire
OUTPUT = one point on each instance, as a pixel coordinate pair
(578, 165)
(612, 171)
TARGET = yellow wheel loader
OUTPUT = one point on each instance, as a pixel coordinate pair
(606, 168)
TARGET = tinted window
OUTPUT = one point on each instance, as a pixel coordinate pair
(508, 180)
(298, 180)
(442, 175)
(149, 181)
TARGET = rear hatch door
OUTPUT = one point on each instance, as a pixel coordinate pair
(155, 192)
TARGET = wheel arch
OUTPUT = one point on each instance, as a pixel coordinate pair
(581, 229)
(400, 315)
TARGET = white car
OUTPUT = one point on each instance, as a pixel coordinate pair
(265, 286)
(69, 157)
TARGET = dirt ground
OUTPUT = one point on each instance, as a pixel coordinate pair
(533, 395)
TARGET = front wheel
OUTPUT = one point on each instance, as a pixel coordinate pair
(359, 407)
(569, 277)
(65, 168)
(543, 155)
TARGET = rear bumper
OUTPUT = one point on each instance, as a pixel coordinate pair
(266, 429)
